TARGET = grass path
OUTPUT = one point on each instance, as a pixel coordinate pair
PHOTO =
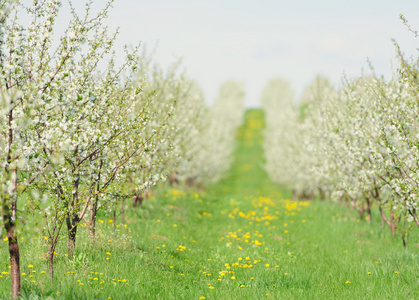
(239, 239)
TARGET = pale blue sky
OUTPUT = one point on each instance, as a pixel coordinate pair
(253, 41)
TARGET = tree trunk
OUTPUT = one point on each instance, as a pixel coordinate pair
(72, 217)
(72, 231)
(51, 261)
(14, 264)
(92, 218)
(123, 211)
(9, 216)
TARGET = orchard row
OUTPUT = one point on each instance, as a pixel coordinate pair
(357, 145)
(78, 132)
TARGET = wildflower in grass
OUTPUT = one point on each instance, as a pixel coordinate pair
(233, 277)
(345, 251)
(369, 273)
(81, 283)
(242, 286)
(95, 278)
(6, 239)
(30, 266)
(267, 294)
(110, 221)
(348, 282)
(211, 287)
(43, 272)
(267, 265)
(100, 221)
(107, 258)
(23, 274)
(286, 274)
(33, 271)
(396, 272)
(174, 225)
(110, 241)
(201, 298)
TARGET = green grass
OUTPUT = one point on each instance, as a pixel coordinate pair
(188, 244)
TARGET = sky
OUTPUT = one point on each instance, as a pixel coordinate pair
(254, 41)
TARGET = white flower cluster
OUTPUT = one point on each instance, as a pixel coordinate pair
(358, 145)
(211, 145)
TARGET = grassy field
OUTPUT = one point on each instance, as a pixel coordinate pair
(242, 238)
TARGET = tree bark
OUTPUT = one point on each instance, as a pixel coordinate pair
(14, 264)
(72, 231)
(92, 218)
(51, 261)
